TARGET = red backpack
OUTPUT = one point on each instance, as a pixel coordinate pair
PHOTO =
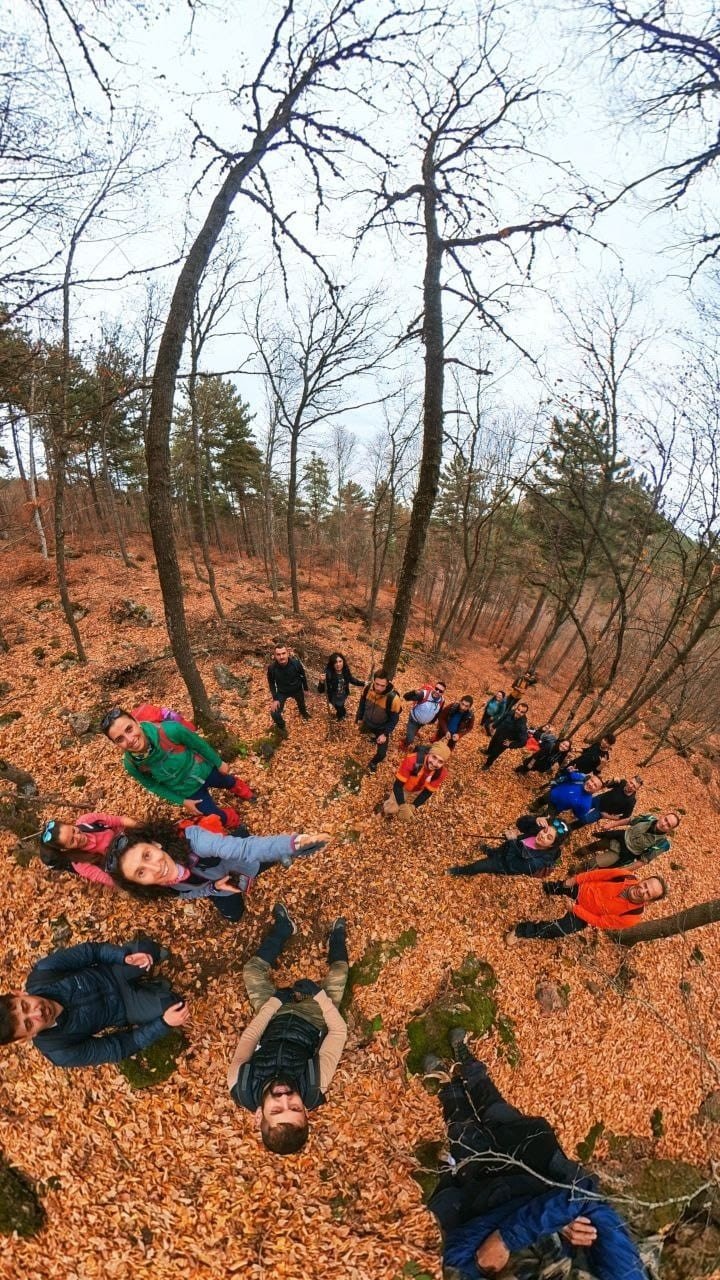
(155, 715)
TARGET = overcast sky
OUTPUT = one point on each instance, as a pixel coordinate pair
(176, 69)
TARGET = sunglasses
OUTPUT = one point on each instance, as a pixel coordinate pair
(48, 831)
(114, 854)
(439, 688)
(110, 718)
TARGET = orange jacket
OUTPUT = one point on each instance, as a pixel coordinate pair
(600, 900)
(423, 779)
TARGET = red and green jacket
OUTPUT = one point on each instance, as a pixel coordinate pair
(177, 764)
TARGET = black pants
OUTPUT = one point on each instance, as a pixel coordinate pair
(299, 697)
(547, 929)
(381, 748)
(495, 749)
(232, 907)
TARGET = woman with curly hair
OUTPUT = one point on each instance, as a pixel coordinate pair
(337, 681)
(156, 860)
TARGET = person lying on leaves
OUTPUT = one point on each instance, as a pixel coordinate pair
(172, 762)
(509, 1201)
(287, 1056)
(93, 1003)
(158, 859)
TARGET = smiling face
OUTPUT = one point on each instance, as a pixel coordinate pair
(338, 663)
(148, 863)
(667, 822)
(127, 734)
(68, 837)
(593, 784)
(31, 1014)
(648, 890)
(434, 762)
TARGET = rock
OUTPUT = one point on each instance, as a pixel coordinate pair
(552, 997)
(80, 721)
(709, 1109)
(466, 1001)
(23, 781)
(127, 610)
(230, 682)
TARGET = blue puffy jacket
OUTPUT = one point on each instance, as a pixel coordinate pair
(568, 793)
(522, 1222)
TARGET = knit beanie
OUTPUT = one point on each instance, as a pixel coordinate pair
(441, 750)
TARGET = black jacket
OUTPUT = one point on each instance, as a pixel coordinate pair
(284, 681)
(332, 679)
(590, 759)
(512, 728)
(615, 802)
(287, 1050)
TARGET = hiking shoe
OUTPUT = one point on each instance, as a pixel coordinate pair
(458, 1037)
(372, 768)
(456, 871)
(434, 1073)
(284, 919)
(338, 926)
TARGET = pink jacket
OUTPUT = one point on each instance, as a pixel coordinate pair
(98, 842)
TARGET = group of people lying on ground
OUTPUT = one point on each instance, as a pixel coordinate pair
(506, 1187)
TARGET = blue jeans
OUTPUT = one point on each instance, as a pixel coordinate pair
(204, 800)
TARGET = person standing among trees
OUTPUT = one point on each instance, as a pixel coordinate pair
(509, 1201)
(287, 1056)
(606, 898)
(511, 732)
(378, 713)
(419, 776)
(455, 721)
(494, 710)
(594, 755)
(286, 678)
(427, 704)
(520, 685)
(173, 763)
(336, 683)
(552, 752)
(74, 995)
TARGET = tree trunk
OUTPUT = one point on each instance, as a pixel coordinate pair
(33, 477)
(682, 922)
(429, 477)
(60, 464)
(198, 487)
(292, 500)
(515, 649)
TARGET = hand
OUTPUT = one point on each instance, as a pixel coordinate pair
(454, 737)
(382, 737)
(227, 885)
(506, 743)
(177, 1015)
(274, 704)
(543, 822)
(580, 1232)
(223, 768)
(191, 806)
(141, 959)
(492, 1255)
(569, 882)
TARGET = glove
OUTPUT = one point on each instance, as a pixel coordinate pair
(406, 813)
(306, 987)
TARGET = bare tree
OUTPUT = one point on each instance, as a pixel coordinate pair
(308, 61)
(469, 127)
(307, 362)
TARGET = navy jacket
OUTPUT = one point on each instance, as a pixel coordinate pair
(87, 981)
(522, 1222)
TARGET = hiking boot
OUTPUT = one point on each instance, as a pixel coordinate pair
(283, 919)
(337, 941)
(458, 1037)
(305, 715)
(339, 925)
(456, 871)
(434, 1073)
(372, 768)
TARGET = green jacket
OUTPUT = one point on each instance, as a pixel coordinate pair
(177, 763)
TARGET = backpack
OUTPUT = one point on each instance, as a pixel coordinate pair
(389, 695)
(56, 860)
(155, 715)
(422, 754)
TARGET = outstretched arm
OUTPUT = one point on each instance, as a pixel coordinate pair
(249, 1039)
(334, 1042)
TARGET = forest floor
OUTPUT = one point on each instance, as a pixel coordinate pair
(172, 1181)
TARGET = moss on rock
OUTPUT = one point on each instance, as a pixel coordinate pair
(156, 1063)
(467, 1001)
(266, 746)
(20, 1209)
(657, 1191)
